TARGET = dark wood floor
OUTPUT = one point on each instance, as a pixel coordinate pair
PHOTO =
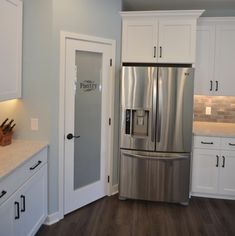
(112, 217)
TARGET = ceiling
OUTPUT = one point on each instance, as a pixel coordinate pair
(212, 7)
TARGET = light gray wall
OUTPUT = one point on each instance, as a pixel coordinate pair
(100, 19)
(36, 62)
(212, 7)
(37, 88)
(42, 23)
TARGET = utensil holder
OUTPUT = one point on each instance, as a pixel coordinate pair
(5, 139)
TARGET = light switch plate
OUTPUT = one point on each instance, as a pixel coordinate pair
(208, 110)
(34, 124)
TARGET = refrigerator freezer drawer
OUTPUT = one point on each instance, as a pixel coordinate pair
(154, 176)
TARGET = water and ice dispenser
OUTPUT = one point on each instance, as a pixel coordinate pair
(137, 122)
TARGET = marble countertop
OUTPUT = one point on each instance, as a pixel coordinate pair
(17, 153)
(214, 129)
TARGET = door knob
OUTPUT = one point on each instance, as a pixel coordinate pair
(70, 136)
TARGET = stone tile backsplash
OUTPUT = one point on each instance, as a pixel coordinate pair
(222, 109)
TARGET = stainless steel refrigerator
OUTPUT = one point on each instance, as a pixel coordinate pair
(156, 133)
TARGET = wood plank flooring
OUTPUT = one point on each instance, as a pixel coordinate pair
(112, 217)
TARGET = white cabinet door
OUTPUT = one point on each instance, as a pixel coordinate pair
(24, 212)
(33, 203)
(10, 220)
(205, 171)
(177, 38)
(227, 173)
(225, 59)
(7, 215)
(139, 40)
(10, 49)
(204, 83)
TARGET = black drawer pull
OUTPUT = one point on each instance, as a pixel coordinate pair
(22, 203)
(154, 52)
(17, 216)
(160, 52)
(231, 144)
(3, 193)
(36, 165)
(223, 165)
(217, 161)
(211, 87)
(217, 85)
(206, 142)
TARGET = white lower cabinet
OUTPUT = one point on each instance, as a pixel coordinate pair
(25, 210)
(7, 215)
(205, 173)
(213, 167)
(227, 173)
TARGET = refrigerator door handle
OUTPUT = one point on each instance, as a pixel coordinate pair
(154, 106)
(160, 157)
(159, 106)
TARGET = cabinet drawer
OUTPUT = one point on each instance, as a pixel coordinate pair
(207, 142)
(228, 144)
(14, 180)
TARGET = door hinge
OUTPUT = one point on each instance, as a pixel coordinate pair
(111, 62)
(109, 121)
(108, 178)
(75, 72)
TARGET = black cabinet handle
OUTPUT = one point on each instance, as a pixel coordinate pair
(3, 193)
(22, 197)
(217, 161)
(231, 144)
(211, 87)
(17, 216)
(206, 142)
(160, 52)
(223, 165)
(154, 52)
(216, 85)
(36, 165)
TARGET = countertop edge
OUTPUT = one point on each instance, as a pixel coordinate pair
(29, 156)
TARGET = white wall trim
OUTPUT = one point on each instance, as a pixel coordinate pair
(68, 35)
(114, 189)
(52, 218)
(218, 196)
(170, 13)
(216, 19)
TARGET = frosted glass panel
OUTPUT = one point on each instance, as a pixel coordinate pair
(87, 119)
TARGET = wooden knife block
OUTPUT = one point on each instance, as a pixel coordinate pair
(5, 139)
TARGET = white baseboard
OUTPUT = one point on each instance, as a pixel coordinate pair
(52, 218)
(115, 189)
(217, 196)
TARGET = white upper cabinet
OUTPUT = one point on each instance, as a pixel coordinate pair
(225, 58)
(215, 57)
(205, 53)
(10, 49)
(159, 36)
(140, 36)
(177, 39)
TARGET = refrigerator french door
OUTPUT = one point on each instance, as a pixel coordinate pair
(156, 133)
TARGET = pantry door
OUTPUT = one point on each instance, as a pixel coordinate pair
(87, 112)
